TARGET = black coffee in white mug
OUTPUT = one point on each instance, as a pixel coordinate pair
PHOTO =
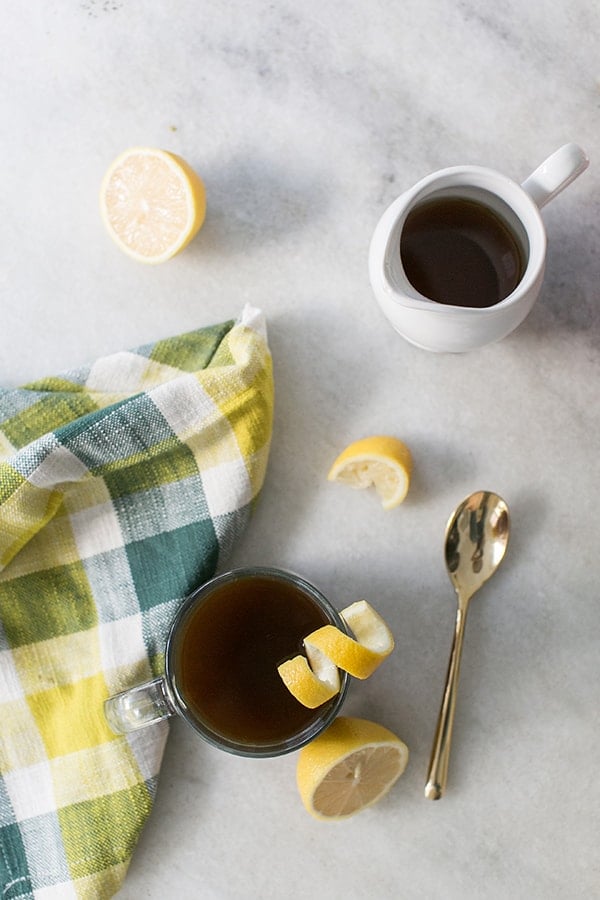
(460, 252)
(457, 261)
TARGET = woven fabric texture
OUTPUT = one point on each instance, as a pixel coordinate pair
(123, 486)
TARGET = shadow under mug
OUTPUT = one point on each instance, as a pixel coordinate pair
(221, 660)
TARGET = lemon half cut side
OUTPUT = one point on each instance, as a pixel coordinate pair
(350, 766)
(152, 203)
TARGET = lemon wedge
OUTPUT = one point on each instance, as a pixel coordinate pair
(152, 203)
(381, 461)
(313, 679)
(349, 767)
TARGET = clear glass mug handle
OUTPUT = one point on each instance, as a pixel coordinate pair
(139, 706)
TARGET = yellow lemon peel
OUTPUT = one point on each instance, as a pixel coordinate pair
(311, 684)
(313, 679)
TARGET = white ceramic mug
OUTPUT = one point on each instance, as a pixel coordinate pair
(440, 327)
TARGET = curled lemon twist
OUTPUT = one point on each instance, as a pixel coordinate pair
(314, 678)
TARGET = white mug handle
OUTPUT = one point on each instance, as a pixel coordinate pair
(555, 174)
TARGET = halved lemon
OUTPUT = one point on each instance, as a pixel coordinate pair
(381, 461)
(152, 203)
(349, 767)
(313, 679)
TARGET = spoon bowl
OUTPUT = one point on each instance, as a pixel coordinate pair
(476, 540)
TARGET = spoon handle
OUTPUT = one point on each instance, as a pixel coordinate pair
(437, 775)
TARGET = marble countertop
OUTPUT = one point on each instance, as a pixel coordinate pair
(306, 121)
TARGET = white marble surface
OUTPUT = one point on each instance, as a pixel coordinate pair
(306, 120)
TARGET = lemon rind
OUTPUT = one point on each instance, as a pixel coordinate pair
(386, 450)
(328, 650)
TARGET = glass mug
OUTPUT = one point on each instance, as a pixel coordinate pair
(445, 325)
(221, 660)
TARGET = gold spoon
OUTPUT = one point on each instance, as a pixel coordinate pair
(476, 541)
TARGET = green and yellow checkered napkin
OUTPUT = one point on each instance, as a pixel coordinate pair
(122, 487)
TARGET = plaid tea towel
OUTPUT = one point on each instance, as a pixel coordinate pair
(122, 487)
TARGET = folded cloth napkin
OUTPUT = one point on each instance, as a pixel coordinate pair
(122, 487)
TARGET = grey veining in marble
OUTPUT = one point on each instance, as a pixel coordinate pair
(306, 120)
